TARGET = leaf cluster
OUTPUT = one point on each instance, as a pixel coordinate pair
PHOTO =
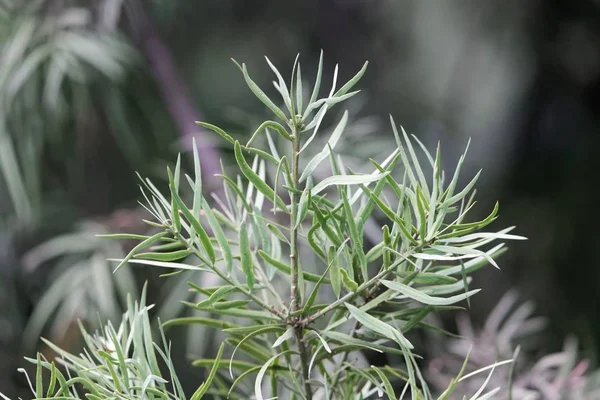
(292, 326)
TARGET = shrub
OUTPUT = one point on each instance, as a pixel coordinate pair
(302, 294)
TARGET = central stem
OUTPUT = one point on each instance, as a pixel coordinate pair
(296, 299)
(294, 197)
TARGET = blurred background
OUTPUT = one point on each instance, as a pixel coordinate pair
(93, 91)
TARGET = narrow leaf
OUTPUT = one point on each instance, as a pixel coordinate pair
(246, 256)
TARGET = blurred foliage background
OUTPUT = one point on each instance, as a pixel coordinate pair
(93, 91)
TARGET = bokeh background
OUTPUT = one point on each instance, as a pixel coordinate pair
(93, 91)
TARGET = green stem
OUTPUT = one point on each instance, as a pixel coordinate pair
(296, 299)
(227, 279)
(360, 290)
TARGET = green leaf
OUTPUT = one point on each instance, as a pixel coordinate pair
(459, 196)
(226, 305)
(317, 85)
(260, 94)
(322, 223)
(255, 179)
(214, 323)
(53, 380)
(484, 235)
(218, 130)
(472, 265)
(39, 383)
(220, 235)
(357, 244)
(146, 243)
(246, 256)
(421, 213)
(255, 332)
(421, 297)
(344, 89)
(282, 88)
(261, 374)
(196, 225)
(244, 313)
(347, 180)
(277, 232)
(299, 91)
(273, 125)
(211, 375)
(355, 344)
(123, 236)
(162, 264)
(416, 164)
(390, 214)
(427, 278)
(255, 329)
(287, 335)
(171, 256)
(175, 217)
(350, 284)
(315, 291)
(316, 160)
(379, 326)
(334, 271)
(467, 252)
(305, 200)
(218, 295)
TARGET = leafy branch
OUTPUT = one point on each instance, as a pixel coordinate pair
(374, 294)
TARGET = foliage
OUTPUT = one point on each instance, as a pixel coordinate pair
(63, 83)
(120, 363)
(297, 325)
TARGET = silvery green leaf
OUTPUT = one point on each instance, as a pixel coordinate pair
(285, 336)
(163, 264)
(335, 74)
(316, 160)
(346, 180)
(484, 241)
(405, 161)
(438, 290)
(299, 89)
(326, 103)
(427, 153)
(260, 94)
(463, 193)
(421, 297)
(344, 89)
(283, 90)
(303, 204)
(483, 235)
(465, 253)
(262, 174)
(220, 235)
(246, 257)
(211, 375)
(480, 370)
(383, 165)
(317, 85)
(416, 164)
(269, 124)
(197, 203)
(379, 326)
(454, 180)
(316, 123)
(435, 191)
(261, 374)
